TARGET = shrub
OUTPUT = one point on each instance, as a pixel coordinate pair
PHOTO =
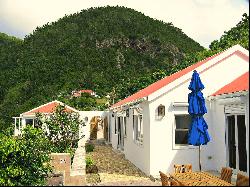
(24, 161)
(92, 169)
(89, 161)
(89, 148)
(63, 128)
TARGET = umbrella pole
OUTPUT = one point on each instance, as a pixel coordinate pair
(200, 160)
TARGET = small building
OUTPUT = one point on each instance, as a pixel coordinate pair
(79, 92)
(151, 126)
(29, 118)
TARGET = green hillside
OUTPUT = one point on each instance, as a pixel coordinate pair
(96, 49)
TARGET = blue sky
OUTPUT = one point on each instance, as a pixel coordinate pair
(202, 20)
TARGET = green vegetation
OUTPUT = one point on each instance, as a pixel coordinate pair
(95, 49)
(236, 35)
(89, 148)
(63, 129)
(114, 51)
(84, 102)
(24, 161)
(89, 161)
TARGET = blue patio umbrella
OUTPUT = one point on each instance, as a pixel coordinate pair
(198, 134)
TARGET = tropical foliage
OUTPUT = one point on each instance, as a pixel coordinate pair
(237, 35)
(24, 161)
(114, 51)
(61, 128)
(95, 49)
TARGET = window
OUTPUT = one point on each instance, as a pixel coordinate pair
(182, 123)
(115, 126)
(125, 125)
(138, 128)
(29, 121)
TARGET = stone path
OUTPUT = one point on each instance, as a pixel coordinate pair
(115, 170)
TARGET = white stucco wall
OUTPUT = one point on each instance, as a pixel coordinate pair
(163, 154)
(163, 151)
(89, 114)
(138, 154)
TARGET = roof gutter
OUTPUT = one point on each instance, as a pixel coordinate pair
(237, 97)
(129, 104)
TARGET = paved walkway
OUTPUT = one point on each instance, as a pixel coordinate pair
(115, 170)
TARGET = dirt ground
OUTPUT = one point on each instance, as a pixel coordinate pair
(115, 170)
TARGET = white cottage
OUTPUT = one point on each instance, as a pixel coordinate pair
(28, 118)
(150, 127)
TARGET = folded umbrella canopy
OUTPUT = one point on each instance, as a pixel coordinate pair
(197, 134)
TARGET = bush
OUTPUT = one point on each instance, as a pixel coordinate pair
(24, 161)
(92, 169)
(89, 148)
(89, 161)
(90, 166)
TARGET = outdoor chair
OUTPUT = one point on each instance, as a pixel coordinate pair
(226, 174)
(188, 168)
(167, 180)
(242, 180)
(182, 168)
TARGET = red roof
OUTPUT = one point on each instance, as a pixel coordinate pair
(165, 81)
(47, 108)
(239, 84)
(78, 93)
(85, 91)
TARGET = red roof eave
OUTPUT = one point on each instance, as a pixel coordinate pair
(239, 84)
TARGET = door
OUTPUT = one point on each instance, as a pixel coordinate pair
(237, 154)
(120, 133)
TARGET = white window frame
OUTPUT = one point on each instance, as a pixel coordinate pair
(235, 114)
(180, 146)
(138, 128)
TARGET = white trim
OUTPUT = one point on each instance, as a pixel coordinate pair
(180, 104)
(179, 146)
(236, 170)
(228, 95)
(130, 104)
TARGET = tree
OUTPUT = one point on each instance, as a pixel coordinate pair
(62, 128)
(24, 161)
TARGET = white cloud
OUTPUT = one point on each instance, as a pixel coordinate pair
(202, 20)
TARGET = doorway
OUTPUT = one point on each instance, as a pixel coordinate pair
(236, 143)
(120, 133)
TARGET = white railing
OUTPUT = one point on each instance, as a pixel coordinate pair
(18, 126)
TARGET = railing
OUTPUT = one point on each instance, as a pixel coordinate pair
(18, 126)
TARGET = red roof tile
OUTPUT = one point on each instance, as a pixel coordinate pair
(239, 84)
(165, 81)
(47, 108)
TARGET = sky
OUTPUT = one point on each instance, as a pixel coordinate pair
(202, 20)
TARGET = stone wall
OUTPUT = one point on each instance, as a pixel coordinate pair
(75, 175)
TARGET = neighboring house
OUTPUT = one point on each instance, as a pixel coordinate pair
(79, 92)
(151, 126)
(28, 118)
